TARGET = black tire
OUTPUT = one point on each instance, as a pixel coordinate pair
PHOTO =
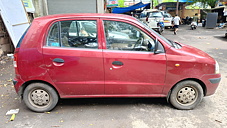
(160, 30)
(40, 97)
(186, 95)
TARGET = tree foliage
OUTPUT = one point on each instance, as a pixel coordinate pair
(121, 3)
(211, 3)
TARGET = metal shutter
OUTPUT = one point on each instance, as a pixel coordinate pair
(71, 6)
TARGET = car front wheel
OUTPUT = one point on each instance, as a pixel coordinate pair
(40, 97)
(186, 95)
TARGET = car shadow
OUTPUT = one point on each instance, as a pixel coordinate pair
(223, 38)
(112, 101)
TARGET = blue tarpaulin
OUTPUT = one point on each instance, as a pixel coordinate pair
(130, 8)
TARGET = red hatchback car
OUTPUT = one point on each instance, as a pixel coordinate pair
(107, 55)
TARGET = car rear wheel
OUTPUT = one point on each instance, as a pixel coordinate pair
(40, 97)
(186, 95)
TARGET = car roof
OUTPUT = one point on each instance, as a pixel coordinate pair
(83, 15)
(150, 10)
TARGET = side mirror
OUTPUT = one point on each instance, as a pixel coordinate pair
(156, 50)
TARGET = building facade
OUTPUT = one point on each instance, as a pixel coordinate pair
(49, 7)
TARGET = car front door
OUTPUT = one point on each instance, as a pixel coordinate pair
(131, 66)
(73, 57)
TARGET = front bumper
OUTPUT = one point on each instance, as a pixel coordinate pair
(215, 80)
(211, 81)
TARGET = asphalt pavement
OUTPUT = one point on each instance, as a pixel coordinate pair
(127, 112)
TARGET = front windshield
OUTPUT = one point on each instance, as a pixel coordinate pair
(163, 38)
(155, 14)
(167, 15)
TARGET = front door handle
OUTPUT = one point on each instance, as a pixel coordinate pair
(58, 60)
(119, 63)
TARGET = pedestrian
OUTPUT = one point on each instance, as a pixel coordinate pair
(176, 22)
(196, 18)
(187, 20)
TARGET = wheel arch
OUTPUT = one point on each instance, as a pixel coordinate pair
(192, 79)
(22, 88)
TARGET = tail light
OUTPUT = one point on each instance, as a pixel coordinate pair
(147, 19)
(15, 61)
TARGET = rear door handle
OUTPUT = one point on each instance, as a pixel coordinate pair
(119, 63)
(58, 60)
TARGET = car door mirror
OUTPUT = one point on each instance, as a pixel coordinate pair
(156, 47)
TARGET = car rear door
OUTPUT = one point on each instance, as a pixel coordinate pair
(73, 57)
(131, 67)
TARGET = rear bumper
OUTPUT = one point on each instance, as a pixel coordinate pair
(168, 24)
(14, 82)
(211, 81)
(18, 86)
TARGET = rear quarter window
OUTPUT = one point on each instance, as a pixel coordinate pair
(53, 36)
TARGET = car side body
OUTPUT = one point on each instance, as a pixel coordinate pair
(112, 68)
(168, 20)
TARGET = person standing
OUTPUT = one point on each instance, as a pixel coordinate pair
(195, 18)
(176, 23)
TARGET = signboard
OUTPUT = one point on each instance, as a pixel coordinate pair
(171, 7)
(112, 3)
(15, 18)
(29, 6)
(224, 3)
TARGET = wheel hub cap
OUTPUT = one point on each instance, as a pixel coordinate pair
(186, 95)
(40, 97)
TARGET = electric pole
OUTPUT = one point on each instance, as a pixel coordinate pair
(177, 7)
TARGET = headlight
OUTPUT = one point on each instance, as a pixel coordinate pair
(217, 68)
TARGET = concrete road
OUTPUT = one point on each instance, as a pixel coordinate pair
(127, 112)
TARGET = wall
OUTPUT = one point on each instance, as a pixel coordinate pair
(187, 12)
(6, 45)
(191, 12)
(49, 7)
(40, 8)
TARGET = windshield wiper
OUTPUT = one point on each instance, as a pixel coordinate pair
(172, 43)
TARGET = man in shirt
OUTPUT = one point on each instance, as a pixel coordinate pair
(195, 18)
(176, 23)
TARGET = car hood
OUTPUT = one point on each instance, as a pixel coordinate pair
(194, 51)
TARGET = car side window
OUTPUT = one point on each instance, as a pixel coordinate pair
(53, 36)
(127, 37)
(74, 34)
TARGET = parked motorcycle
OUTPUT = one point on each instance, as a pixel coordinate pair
(193, 25)
(157, 25)
(161, 27)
